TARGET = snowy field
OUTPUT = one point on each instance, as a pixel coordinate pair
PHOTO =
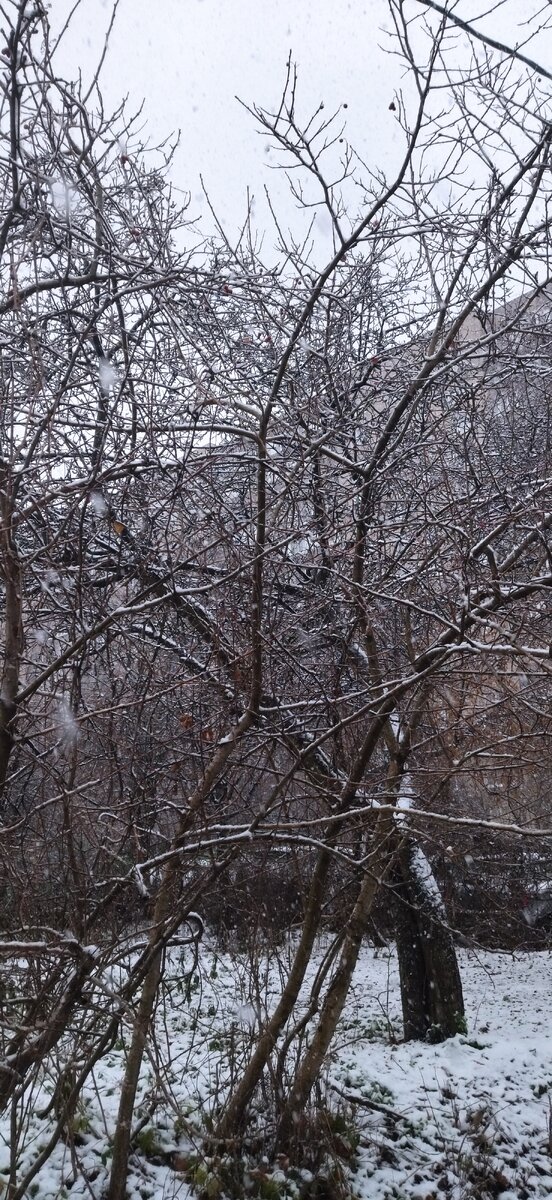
(470, 1118)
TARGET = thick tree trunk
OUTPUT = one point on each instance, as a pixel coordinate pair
(412, 973)
(431, 987)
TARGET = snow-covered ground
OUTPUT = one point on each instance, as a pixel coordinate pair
(474, 1111)
(469, 1118)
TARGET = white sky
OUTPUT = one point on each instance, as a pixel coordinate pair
(188, 59)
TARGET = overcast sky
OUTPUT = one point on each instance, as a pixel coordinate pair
(188, 59)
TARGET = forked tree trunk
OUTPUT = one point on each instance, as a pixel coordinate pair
(431, 987)
(429, 958)
(336, 995)
(233, 1117)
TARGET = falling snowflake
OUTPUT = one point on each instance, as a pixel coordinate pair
(108, 375)
(68, 726)
(98, 504)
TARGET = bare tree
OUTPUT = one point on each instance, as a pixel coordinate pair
(275, 549)
(90, 262)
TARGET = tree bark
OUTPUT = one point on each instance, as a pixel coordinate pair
(412, 974)
(431, 987)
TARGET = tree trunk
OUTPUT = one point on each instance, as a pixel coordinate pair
(431, 987)
(121, 1141)
(234, 1114)
(232, 1119)
(336, 995)
(430, 980)
(13, 639)
(412, 974)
